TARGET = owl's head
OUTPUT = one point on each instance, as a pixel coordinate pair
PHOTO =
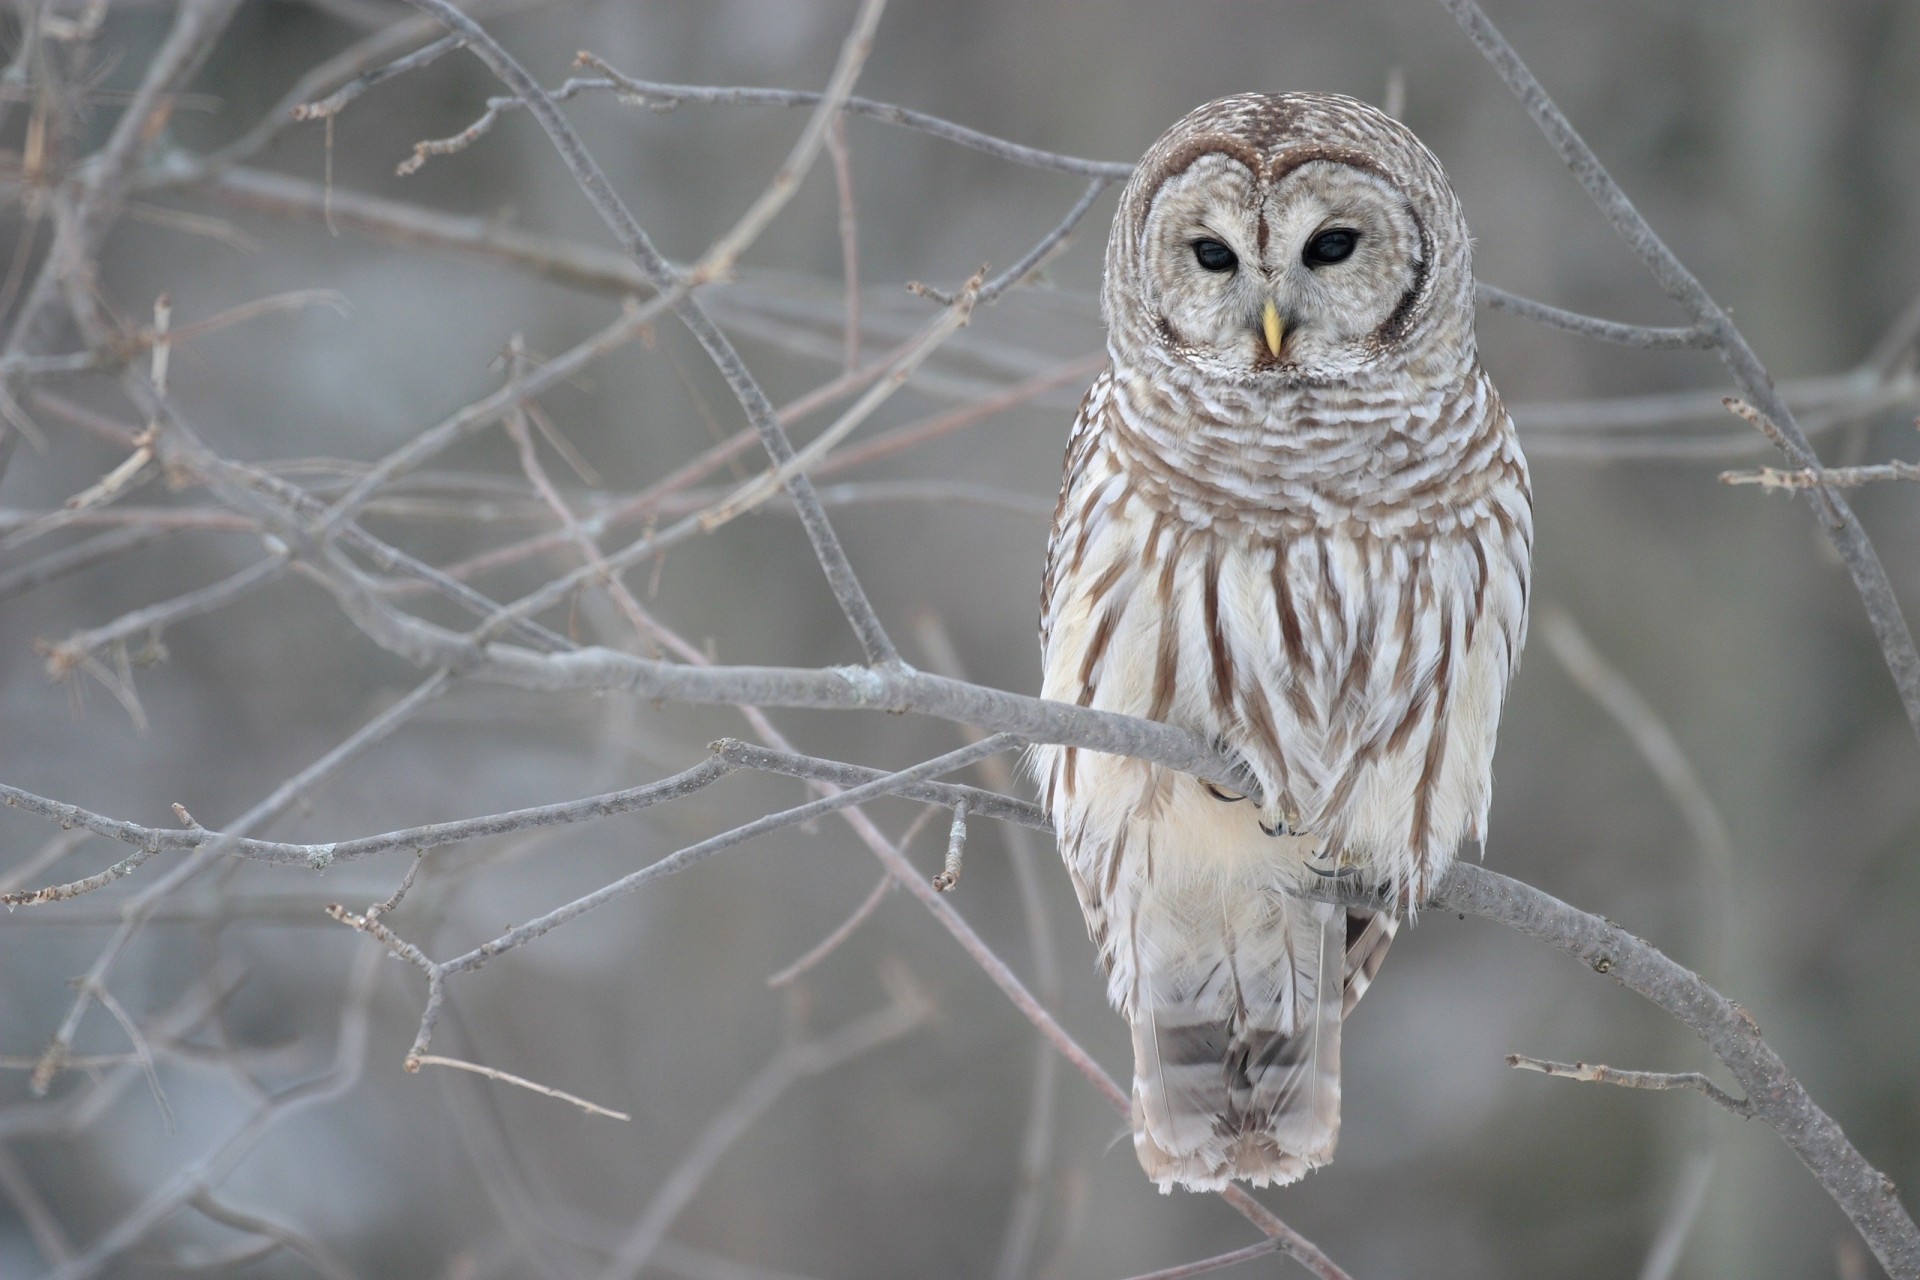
(1290, 239)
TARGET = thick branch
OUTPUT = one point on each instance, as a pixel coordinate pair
(1866, 1195)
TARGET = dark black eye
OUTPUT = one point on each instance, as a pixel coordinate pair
(1335, 245)
(1214, 256)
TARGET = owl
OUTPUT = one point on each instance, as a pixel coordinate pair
(1295, 521)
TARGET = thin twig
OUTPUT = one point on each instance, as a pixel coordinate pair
(1671, 767)
(949, 877)
(719, 261)
(1630, 335)
(1031, 261)
(318, 856)
(334, 103)
(417, 1060)
(841, 932)
(849, 235)
(1771, 478)
(659, 95)
(142, 1053)
(1033, 1184)
(1663, 1257)
(64, 656)
(1219, 1262)
(1595, 1073)
(278, 1233)
(764, 486)
(793, 1063)
(134, 912)
(634, 240)
(192, 1180)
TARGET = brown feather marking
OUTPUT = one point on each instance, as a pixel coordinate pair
(1113, 861)
(1299, 660)
(1216, 636)
(1096, 650)
(1166, 662)
(1479, 585)
(1104, 583)
(1330, 584)
(1290, 634)
(1259, 718)
(1403, 682)
(1403, 624)
(1509, 533)
(1424, 683)
(1436, 751)
(1360, 664)
(1087, 522)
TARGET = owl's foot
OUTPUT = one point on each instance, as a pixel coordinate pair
(1245, 782)
(1333, 872)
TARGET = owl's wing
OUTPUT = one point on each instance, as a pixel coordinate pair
(1066, 531)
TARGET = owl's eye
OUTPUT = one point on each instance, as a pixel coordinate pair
(1333, 245)
(1214, 256)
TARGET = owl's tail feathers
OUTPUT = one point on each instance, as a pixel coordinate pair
(1369, 933)
(1236, 1045)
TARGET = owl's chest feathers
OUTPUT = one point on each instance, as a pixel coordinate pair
(1356, 659)
(1390, 459)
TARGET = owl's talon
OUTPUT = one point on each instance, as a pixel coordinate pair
(1277, 830)
(1338, 873)
(1222, 794)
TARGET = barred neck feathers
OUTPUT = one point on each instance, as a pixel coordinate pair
(1384, 457)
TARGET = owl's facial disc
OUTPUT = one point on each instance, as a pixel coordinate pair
(1300, 277)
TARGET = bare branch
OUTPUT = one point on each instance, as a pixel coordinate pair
(1671, 767)
(279, 1234)
(318, 856)
(1864, 1194)
(1772, 479)
(1663, 1258)
(1033, 259)
(133, 914)
(831, 943)
(64, 656)
(949, 877)
(1630, 335)
(334, 103)
(665, 96)
(793, 1063)
(1219, 1262)
(105, 179)
(762, 487)
(719, 260)
(418, 1060)
(192, 1180)
(693, 853)
(1594, 1073)
(846, 587)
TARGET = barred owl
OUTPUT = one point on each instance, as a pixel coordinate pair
(1295, 520)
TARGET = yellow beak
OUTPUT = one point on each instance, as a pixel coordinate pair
(1271, 325)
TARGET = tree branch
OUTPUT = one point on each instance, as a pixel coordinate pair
(1864, 1194)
